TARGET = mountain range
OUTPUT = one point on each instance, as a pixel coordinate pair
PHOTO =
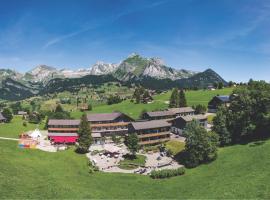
(149, 72)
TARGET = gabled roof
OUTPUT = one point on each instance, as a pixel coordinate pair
(2, 117)
(181, 110)
(189, 118)
(224, 98)
(160, 113)
(150, 124)
(104, 116)
(64, 122)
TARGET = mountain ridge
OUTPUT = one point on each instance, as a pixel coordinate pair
(151, 73)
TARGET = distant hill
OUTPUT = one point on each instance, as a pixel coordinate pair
(151, 73)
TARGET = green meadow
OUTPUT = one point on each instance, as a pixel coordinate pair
(160, 102)
(16, 127)
(241, 171)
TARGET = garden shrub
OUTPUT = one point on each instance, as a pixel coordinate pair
(167, 173)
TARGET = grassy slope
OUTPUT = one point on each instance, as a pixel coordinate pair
(240, 171)
(134, 110)
(15, 127)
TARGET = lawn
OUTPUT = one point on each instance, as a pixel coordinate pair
(132, 163)
(175, 146)
(15, 127)
(241, 171)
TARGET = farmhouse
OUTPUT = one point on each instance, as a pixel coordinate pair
(182, 111)
(159, 115)
(218, 101)
(108, 124)
(151, 132)
(179, 124)
(2, 118)
(63, 131)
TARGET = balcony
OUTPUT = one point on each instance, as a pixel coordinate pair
(153, 134)
(63, 129)
(154, 141)
(110, 124)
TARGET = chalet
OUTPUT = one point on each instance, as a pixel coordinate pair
(63, 130)
(159, 115)
(182, 111)
(179, 124)
(2, 118)
(151, 132)
(218, 101)
(108, 124)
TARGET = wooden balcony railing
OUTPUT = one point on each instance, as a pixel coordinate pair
(153, 134)
(154, 141)
(63, 129)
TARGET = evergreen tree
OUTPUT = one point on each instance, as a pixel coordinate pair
(85, 138)
(7, 114)
(58, 108)
(174, 100)
(182, 99)
(200, 109)
(142, 113)
(220, 85)
(132, 143)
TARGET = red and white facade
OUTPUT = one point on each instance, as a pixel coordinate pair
(63, 131)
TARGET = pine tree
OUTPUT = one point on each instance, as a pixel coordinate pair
(182, 99)
(132, 143)
(220, 126)
(85, 138)
(174, 100)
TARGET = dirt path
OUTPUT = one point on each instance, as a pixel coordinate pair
(5, 138)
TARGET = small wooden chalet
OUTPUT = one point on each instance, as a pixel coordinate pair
(2, 118)
(218, 101)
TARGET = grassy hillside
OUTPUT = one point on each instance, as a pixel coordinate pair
(241, 171)
(160, 102)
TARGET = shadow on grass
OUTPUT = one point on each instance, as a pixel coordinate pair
(258, 143)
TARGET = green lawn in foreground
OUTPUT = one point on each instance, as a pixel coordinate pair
(241, 171)
(15, 127)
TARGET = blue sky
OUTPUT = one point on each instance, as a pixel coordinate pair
(230, 36)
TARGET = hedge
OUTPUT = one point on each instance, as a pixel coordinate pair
(167, 173)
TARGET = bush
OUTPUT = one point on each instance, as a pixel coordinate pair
(167, 173)
(92, 168)
(24, 124)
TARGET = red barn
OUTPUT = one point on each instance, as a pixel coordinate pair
(63, 130)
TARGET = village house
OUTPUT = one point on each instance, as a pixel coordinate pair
(156, 115)
(2, 118)
(151, 132)
(183, 111)
(218, 101)
(108, 124)
(180, 123)
(63, 130)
